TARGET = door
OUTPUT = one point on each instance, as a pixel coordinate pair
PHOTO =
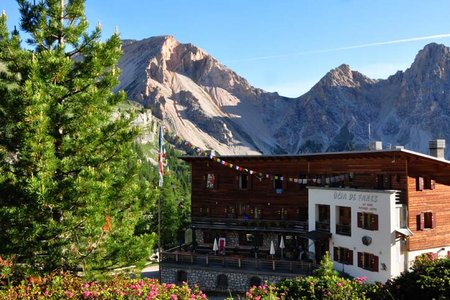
(321, 248)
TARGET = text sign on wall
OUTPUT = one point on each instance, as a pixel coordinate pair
(366, 201)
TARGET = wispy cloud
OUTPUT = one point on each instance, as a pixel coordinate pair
(399, 41)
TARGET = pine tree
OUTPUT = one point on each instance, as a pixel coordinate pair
(69, 194)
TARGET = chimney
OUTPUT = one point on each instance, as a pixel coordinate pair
(376, 145)
(437, 148)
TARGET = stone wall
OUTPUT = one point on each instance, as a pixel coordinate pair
(218, 281)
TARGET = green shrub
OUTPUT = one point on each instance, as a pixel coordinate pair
(429, 278)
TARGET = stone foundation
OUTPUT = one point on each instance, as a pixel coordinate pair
(218, 281)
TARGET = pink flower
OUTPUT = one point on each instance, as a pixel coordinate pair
(86, 294)
(174, 297)
(338, 283)
(69, 294)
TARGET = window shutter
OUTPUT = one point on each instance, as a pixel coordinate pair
(335, 254)
(448, 254)
(420, 221)
(374, 224)
(360, 260)
(360, 220)
(375, 263)
(350, 257)
(419, 183)
(433, 220)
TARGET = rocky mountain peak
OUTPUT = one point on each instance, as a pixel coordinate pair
(431, 63)
(213, 107)
(343, 76)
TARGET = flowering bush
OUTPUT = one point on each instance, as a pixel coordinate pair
(67, 286)
(428, 279)
(326, 284)
(262, 292)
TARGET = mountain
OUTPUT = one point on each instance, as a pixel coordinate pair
(211, 106)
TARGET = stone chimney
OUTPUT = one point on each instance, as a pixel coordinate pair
(437, 148)
(376, 145)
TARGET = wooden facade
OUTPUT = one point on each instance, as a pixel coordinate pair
(226, 199)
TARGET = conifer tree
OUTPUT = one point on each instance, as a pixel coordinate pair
(69, 195)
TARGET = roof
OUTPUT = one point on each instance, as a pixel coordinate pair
(329, 155)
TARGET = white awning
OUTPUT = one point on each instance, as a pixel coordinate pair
(404, 231)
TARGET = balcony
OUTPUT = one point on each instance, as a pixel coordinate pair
(243, 260)
(266, 225)
(343, 229)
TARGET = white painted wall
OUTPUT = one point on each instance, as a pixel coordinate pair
(441, 251)
(384, 244)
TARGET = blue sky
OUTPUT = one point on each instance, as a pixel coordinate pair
(283, 45)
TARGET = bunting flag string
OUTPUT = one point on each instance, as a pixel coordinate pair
(317, 179)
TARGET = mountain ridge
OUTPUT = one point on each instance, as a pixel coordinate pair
(213, 107)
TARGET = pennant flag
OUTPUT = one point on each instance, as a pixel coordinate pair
(162, 155)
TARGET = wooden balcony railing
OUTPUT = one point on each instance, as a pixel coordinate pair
(238, 262)
(264, 224)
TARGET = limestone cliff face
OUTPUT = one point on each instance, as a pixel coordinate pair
(198, 98)
(211, 106)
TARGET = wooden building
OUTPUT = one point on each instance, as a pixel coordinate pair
(373, 211)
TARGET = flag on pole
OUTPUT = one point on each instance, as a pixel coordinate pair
(162, 155)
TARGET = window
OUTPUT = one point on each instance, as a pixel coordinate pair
(181, 276)
(222, 281)
(204, 211)
(211, 181)
(256, 212)
(323, 217)
(343, 255)
(367, 221)
(283, 213)
(249, 239)
(290, 241)
(426, 220)
(244, 211)
(243, 181)
(254, 281)
(429, 184)
(402, 216)
(380, 181)
(368, 261)
(278, 183)
(230, 211)
(343, 225)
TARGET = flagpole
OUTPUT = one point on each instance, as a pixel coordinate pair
(159, 237)
(160, 184)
